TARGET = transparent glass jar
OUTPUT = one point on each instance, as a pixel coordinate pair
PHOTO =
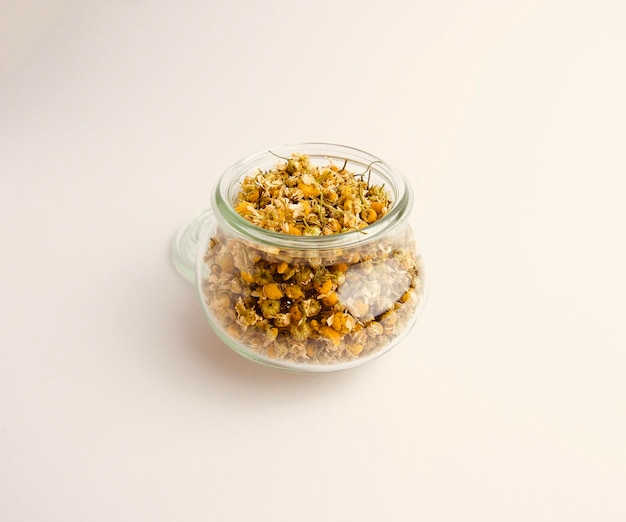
(305, 303)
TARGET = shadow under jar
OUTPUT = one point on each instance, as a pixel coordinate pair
(306, 303)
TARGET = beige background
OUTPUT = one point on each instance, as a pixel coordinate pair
(507, 403)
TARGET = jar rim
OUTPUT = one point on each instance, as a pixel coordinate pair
(394, 180)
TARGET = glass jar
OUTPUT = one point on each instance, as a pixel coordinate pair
(305, 303)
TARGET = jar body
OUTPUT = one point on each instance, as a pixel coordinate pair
(311, 304)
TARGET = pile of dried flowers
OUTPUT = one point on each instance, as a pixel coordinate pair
(312, 309)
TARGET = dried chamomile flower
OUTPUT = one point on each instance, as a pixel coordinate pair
(299, 198)
(316, 309)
